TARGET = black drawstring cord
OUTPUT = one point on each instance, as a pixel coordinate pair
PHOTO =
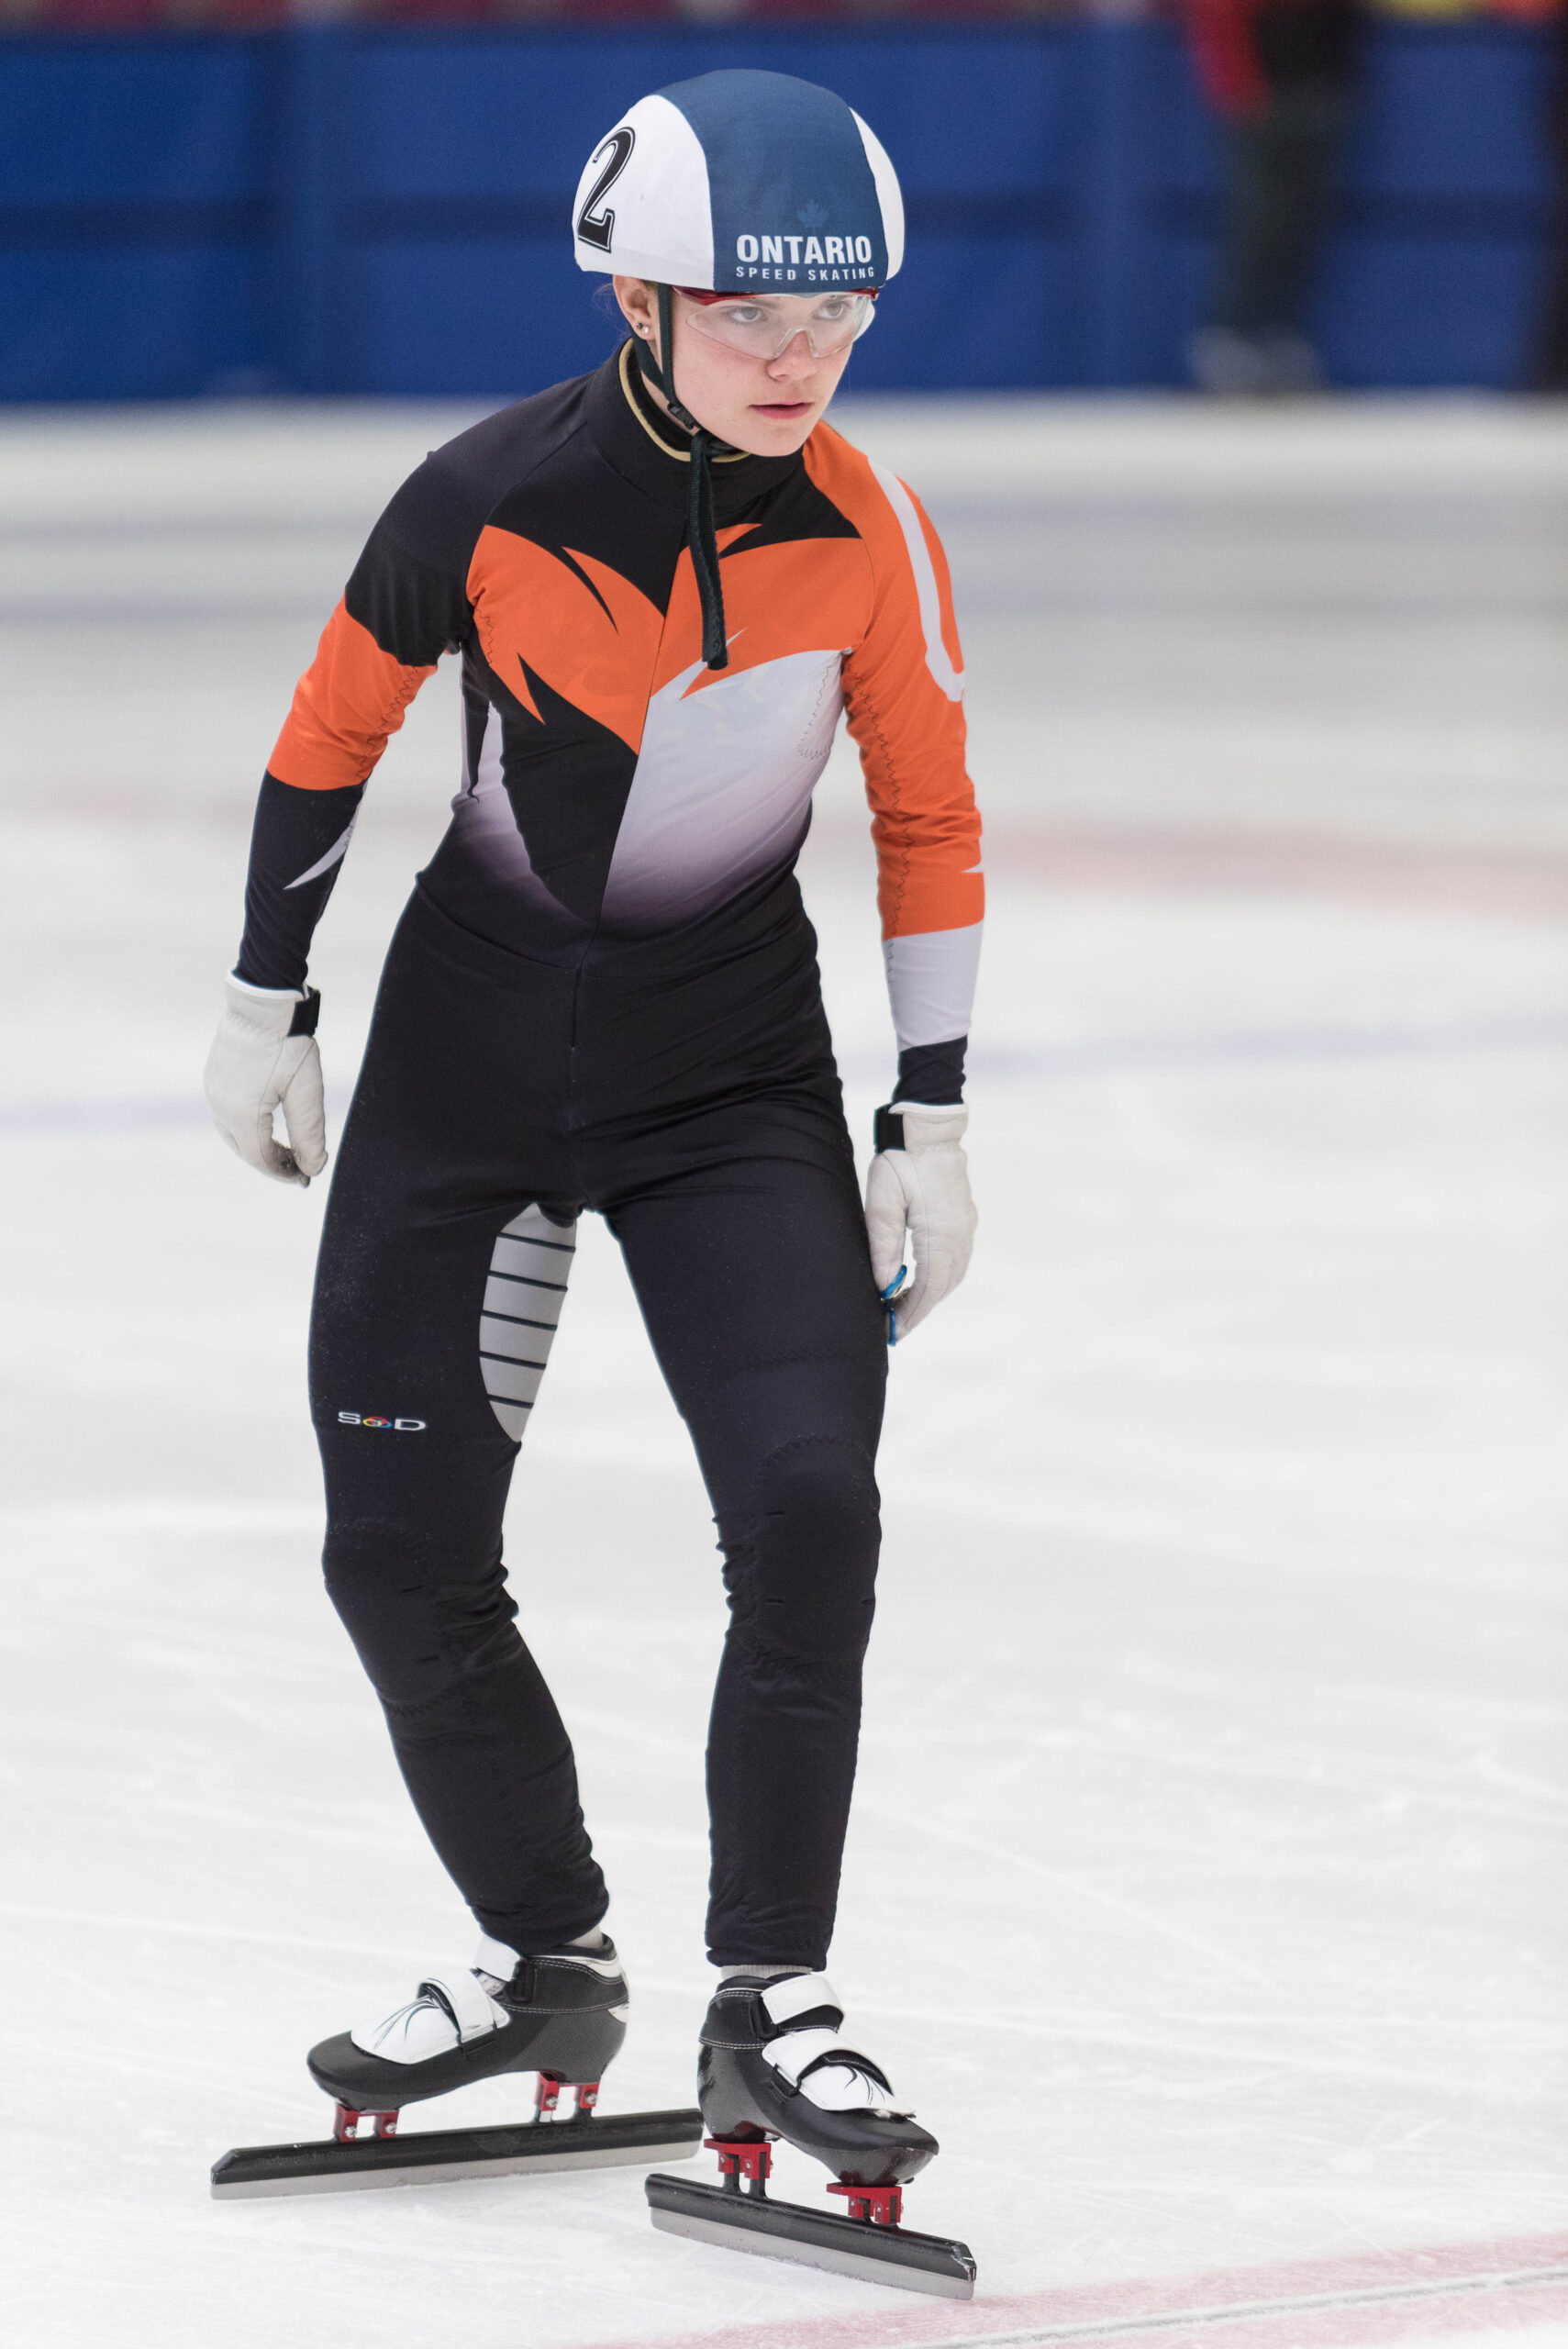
(701, 536)
(703, 541)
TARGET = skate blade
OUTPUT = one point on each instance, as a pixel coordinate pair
(435, 2156)
(894, 2255)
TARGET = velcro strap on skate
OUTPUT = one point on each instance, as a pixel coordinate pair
(795, 2053)
(474, 2011)
(795, 1996)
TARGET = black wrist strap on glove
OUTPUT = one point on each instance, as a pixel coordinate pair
(887, 1128)
(306, 1014)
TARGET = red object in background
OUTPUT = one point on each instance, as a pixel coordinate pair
(1249, 52)
(1226, 54)
(433, 12)
(148, 16)
(92, 17)
(516, 12)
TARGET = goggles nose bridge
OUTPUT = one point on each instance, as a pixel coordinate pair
(814, 343)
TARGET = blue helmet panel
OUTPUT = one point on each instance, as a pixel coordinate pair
(793, 198)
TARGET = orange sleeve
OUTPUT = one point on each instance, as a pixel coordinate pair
(904, 696)
(348, 704)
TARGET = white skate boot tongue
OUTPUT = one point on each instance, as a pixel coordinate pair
(493, 1962)
(813, 2059)
(496, 1957)
(448, 2010)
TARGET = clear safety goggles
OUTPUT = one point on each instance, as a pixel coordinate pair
(764, 325)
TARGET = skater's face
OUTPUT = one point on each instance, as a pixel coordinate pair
(765, 406)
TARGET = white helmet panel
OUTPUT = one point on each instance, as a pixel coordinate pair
(642, 206)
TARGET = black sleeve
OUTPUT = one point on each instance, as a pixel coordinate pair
(408, 591)
(932, 1074)
(296, 852)
(409, 587)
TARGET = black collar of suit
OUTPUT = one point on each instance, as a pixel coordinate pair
(650, 450)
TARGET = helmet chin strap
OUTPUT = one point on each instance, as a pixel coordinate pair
(662, 375)
(700, 534)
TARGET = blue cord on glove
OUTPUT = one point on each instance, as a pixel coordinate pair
(891, 1291)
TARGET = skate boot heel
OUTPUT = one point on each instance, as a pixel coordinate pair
(875, 2206)
(743, 2157)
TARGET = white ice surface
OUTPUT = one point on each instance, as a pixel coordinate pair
(1205, 1888)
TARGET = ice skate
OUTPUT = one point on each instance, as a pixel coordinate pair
(774, 2065)
(559, 2013)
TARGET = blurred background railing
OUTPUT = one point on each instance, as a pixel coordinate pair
(199, 200)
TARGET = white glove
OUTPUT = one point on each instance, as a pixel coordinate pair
(923, 1187)
(256, 1066)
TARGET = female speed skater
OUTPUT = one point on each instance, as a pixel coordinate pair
(665, 580)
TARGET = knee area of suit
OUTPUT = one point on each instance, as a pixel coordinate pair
(414, 1625)
(805, 1580)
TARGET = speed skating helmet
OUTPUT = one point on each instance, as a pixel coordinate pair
(740, 180)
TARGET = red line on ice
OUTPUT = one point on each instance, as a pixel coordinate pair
(1439, 2289)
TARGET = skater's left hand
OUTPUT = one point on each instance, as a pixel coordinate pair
(923, 1188)
(263, 1057)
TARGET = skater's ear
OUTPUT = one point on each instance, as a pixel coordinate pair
(639, 305)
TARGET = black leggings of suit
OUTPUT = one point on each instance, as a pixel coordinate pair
(697, 1110)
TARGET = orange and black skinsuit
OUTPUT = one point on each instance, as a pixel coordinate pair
(604, 994)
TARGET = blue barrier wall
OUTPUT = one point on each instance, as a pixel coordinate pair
(383, 211)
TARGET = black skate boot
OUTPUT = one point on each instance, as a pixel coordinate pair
(559, 2013)
(773, 2065)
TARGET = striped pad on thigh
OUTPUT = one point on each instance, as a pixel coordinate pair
(523, 1297)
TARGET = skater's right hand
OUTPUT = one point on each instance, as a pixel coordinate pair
(920, 1188)
(264, 1058)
